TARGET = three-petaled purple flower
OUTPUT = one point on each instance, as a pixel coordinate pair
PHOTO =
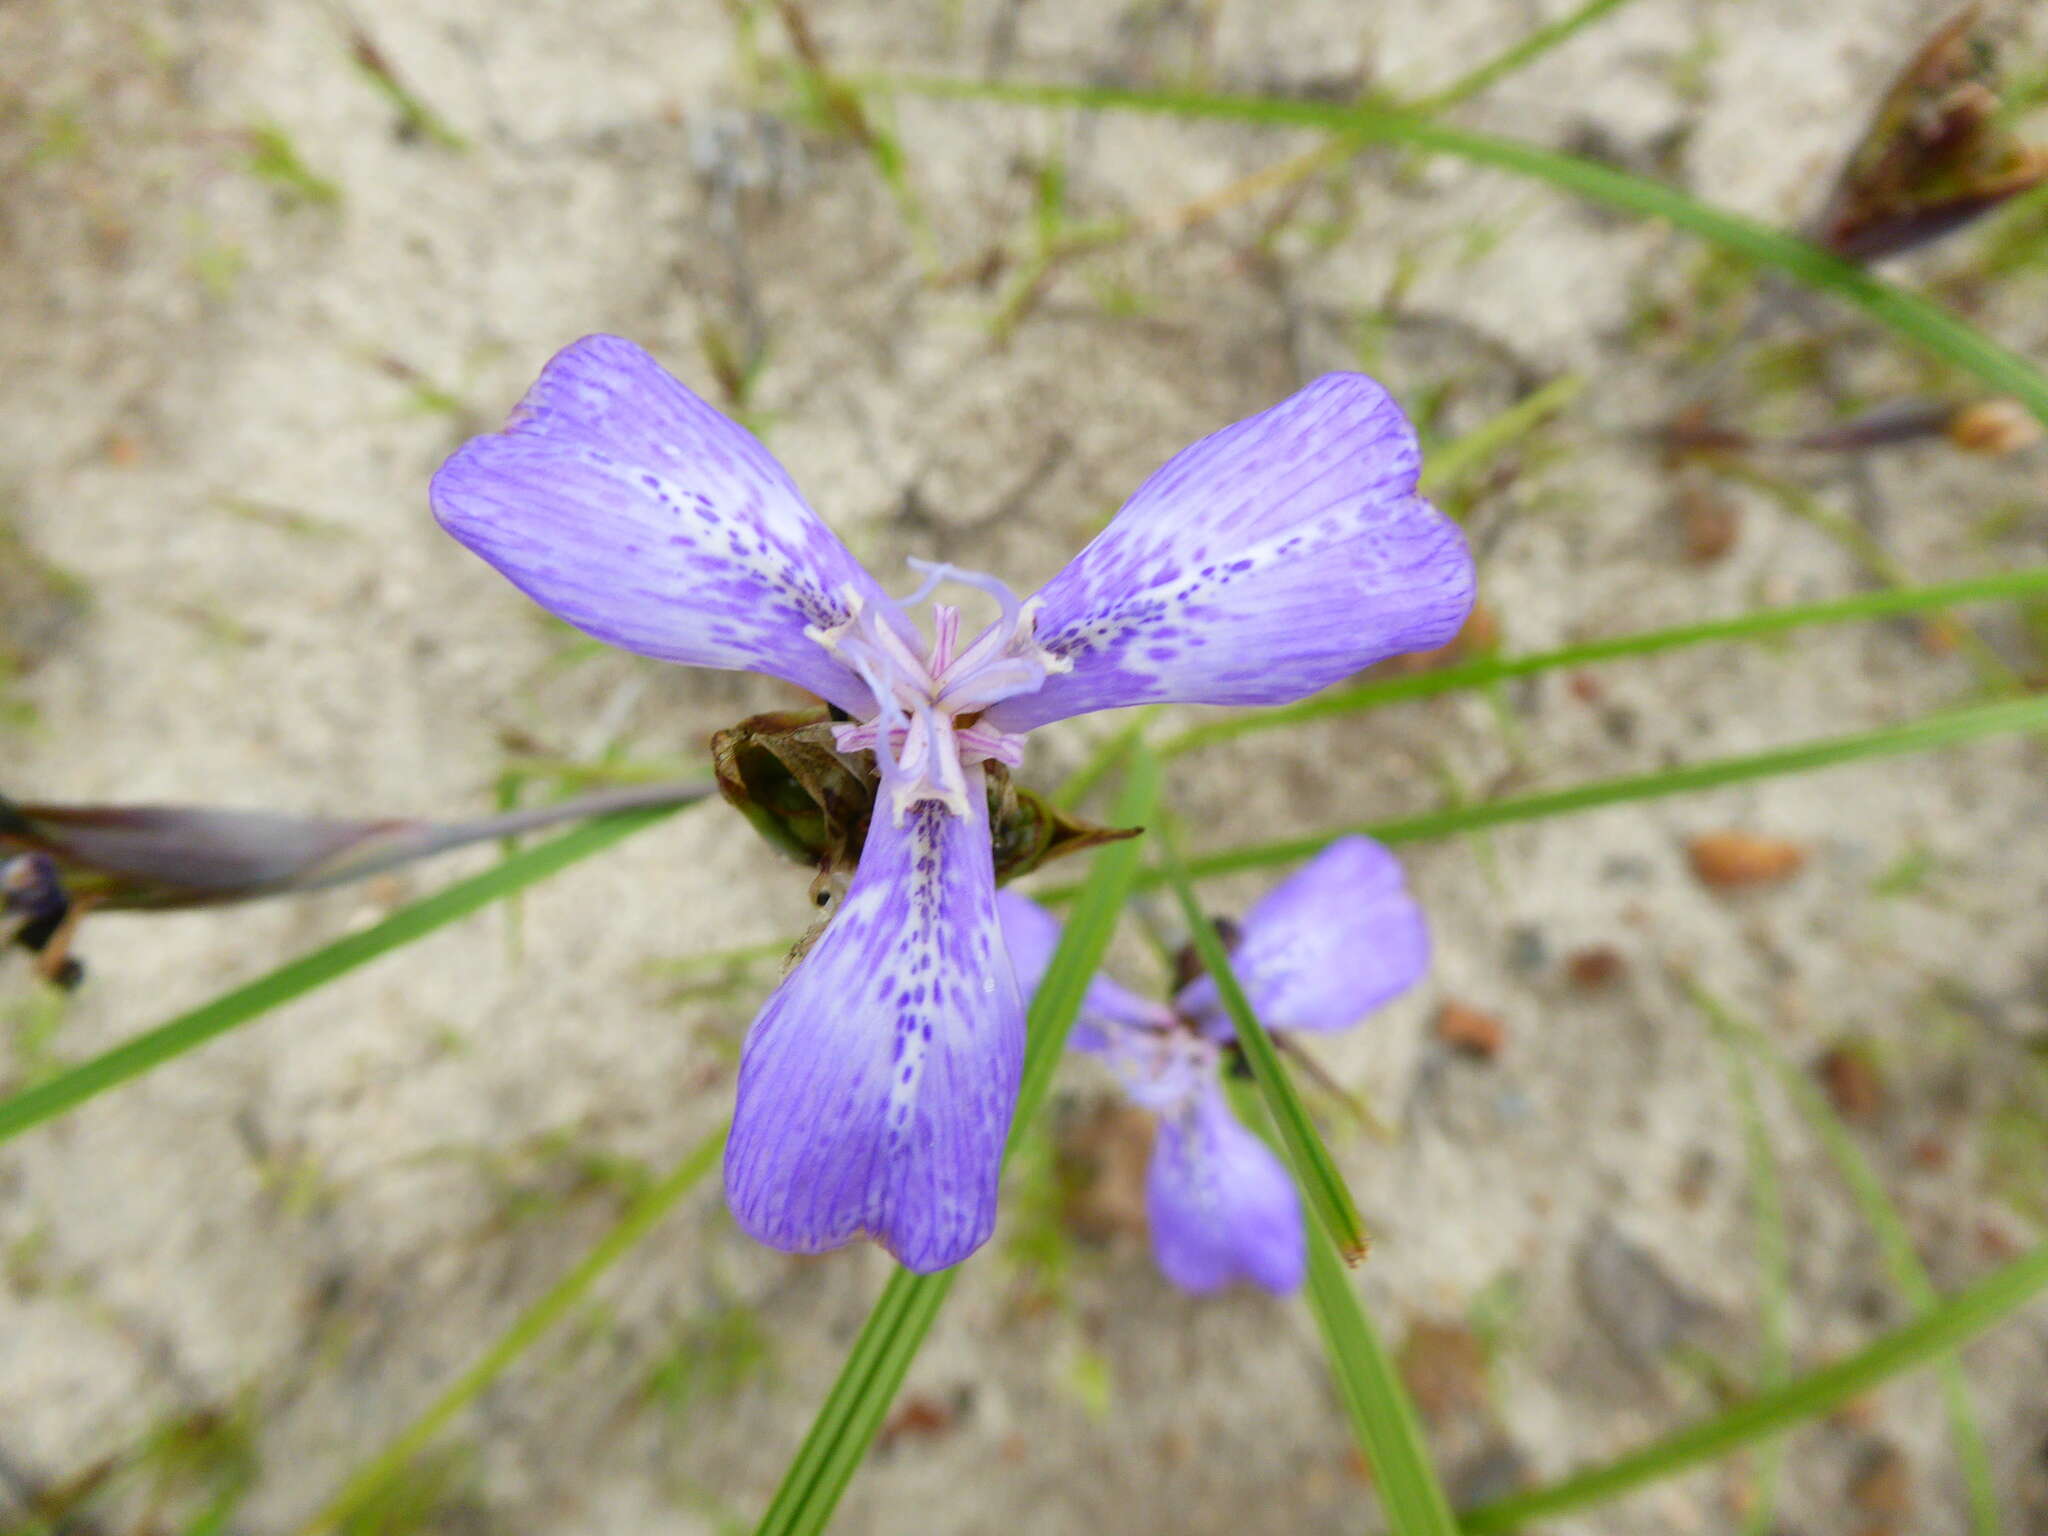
(1267, 561)
(1317, 953)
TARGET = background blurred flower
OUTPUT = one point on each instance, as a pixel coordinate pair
(1333, 941)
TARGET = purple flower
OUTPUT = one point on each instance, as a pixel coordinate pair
(1266, 561)
(1327, 945)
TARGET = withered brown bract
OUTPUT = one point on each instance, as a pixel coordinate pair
(1935, 155)
(782, 772)
(813, 803)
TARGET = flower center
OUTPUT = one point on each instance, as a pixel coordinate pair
(927, 727)
(1165, 1071)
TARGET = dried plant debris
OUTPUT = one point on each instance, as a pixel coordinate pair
(1993, 427)
(1935, 156)
(1709, 523)
(59, 862)
(1731, 860)
(812, 802)
(1469, 1031)
(1849, 1072)
(1595, 967)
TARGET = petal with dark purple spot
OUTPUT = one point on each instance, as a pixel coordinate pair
(622, 503)
(877, 1085)
(1270, 559)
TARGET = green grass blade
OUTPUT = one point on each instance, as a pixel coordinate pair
(851, 1415)
(1382, 1416)
(1521, 55)
(1103, 759)
(1911, 317)
(1908, 1275)
(1315, 1171)
(1945, 729)
(1956, 1321)
(1375, 1399)
(1758, 625)
(416, 920)
(1450, 462)
(640, 1218)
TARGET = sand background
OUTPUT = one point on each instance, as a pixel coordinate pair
(226, 390)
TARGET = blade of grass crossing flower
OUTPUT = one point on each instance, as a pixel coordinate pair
(1908, 315)
(1075, 787)
(1767, 1200)
(640, 1218)
(1962, 1317)
(1382, 1415)
(1759, 625)
(294, 979)
(1944, 729)
(1520, 56)
(852, 1413)
(1315, 1171)
(1902, 1263)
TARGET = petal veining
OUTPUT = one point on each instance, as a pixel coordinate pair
(1266, 561)
(1221, 1207)
(877, 1085)
(622, 503)
(1327, 945)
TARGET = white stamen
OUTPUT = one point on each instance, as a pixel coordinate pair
(918, 700)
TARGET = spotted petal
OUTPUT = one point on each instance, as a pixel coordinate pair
(1324, 947)
(877, 1086)
(1220, 1204)
(1268, 560)
(619, 501)
(1031, 934)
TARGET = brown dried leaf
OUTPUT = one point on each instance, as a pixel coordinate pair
(921, 1417)
(1854, 1085)
(1935, 156)
(1709, 522)
(1882, 1482)
(1733, 860)
(1994, 427)
(1467, 1030)
(1596, 966)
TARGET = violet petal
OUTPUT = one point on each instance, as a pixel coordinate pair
(877, 1085)
(622, 503)
(1031, 934)
(1270, 559)
(1323, 948)
(1221, 1206)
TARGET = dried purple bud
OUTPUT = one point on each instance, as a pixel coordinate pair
(58, 862)
(1992, 427)
(35, 911)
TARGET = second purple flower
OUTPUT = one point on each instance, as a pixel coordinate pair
(1338, 938)
(1268, 560)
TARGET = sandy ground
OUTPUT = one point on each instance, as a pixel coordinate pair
(227, 389)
